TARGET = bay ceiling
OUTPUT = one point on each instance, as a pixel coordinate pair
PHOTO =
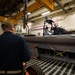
(14, 9)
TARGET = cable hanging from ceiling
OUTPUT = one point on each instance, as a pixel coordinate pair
(25, 21)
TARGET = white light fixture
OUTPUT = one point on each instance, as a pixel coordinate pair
(28, 13)
(45, 13)
(29, 23)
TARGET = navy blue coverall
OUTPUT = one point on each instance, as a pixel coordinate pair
(13, 52)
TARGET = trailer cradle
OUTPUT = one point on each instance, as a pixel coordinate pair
(59, 47)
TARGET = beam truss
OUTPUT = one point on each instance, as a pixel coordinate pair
(39, 3)
(9, 19)
(47, 3)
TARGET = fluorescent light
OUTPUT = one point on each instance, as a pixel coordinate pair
(45, 13)
(28, 13)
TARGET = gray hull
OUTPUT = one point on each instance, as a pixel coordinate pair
(58, 47)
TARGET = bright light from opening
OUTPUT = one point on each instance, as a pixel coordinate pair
(45, 13)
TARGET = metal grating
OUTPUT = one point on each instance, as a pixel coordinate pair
(53, 67)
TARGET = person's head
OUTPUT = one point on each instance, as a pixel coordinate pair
(7, 26)
(55, 24)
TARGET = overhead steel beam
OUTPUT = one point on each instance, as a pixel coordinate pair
(47, 3)
(60, 5)
(30, 8)
(9, 19)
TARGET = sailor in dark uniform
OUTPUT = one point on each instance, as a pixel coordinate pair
(13, 51)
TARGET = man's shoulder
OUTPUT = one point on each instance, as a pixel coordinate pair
(18, 36)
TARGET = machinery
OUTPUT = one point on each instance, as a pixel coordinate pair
(54, 29)
(57, 48)
(52, 54)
